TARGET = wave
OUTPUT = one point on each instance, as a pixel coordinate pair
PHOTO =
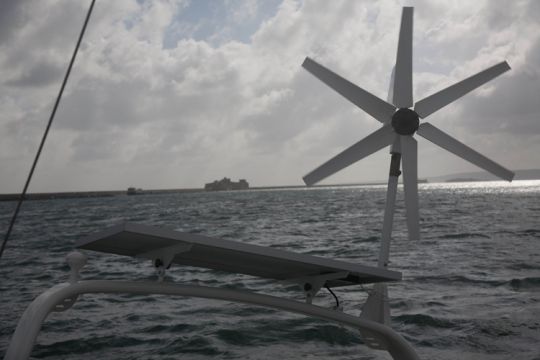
(523, 284)
(275, 332)
(465, 236)
(425, 320)
(459, 279)
(91, 344)
(528, 283)
(196, 345)
(521, 233)
(174, 328)
(529, 232)
(524, 266)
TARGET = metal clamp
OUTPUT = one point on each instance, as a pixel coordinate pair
(312, 284)
(163, 257)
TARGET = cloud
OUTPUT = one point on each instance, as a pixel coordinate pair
(12, 17)
(155, 100)
(39, 75)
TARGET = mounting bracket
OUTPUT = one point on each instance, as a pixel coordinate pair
(163, 257)
(312, 284)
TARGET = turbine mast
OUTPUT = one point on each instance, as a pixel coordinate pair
(389, 209)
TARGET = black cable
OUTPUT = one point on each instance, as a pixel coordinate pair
(23, 194)
(334, 295)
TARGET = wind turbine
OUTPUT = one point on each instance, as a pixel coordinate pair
(399, 124)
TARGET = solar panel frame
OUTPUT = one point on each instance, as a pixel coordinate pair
(137, 240)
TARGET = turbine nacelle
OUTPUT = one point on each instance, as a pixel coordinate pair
(405, 121)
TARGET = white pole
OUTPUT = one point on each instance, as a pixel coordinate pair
(388, 221)
(390, 204)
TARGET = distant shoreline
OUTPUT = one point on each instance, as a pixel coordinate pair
(86, 194)
(111, 193)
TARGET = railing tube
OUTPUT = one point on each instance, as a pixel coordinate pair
(30, 323)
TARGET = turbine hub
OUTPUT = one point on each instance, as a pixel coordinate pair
(405, 121)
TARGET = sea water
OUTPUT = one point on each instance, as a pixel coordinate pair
(470, 289)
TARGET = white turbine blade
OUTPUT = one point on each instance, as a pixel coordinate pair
(429, 105)
(379, 109)
(447, 142)
(403, 97)
(409, 152)
(390, 97)
(368, 145)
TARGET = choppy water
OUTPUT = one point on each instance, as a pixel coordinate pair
(471, 287)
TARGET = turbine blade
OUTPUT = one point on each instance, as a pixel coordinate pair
(448, 143)
(379, 109)
(403, 97)
(368, 145)
(390, 97)
(410, 184)
(429, 105)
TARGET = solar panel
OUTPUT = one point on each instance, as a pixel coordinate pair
(218, 254)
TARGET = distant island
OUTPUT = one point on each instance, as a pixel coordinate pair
(462, 180)
(525, 174)
(226, 184)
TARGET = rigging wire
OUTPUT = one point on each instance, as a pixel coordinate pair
(23, 194)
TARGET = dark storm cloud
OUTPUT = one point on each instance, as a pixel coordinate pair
(513, 105)
(12, 17)
(37, 34)
(39, 75)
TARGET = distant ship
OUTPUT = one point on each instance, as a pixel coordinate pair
(226, 184)
(134, 191)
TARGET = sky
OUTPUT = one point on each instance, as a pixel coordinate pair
(175, 94)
